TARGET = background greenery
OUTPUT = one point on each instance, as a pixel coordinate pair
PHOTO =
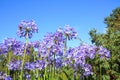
(110, 40)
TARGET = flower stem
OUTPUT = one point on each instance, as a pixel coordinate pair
(9, 57)
(100, 73)
(23, 59)
(38, 74)
(51, 72)
(54, 66)
(44, 74)
(65, 46)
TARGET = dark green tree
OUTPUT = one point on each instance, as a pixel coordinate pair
(111, 41)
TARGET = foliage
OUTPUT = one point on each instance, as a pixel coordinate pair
(111, 41)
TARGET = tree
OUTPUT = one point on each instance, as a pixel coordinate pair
(111, 41)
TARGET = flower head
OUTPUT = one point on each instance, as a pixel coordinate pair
(104, 53)
(70, 32)
(27, 28)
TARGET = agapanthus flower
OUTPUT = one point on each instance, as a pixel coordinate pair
(88, 50)
(51, 45)
(8, 44)
(32, 66)
(15, 65)
(11, 44)
(40, 64)
(29, 66)
(2, 75)
(27, 28)
(76, 57)
(87, 70)
(70, 32)
(35, 44)
(29, 48)
(58, 62)
(104, 53)
(3, 49)
(8, 78)
(28, 76)
(55, 43)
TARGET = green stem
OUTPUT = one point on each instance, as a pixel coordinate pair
(100, 73)
(54, 64)
(100, 70)
(8, 61)
(38, 74)
(45, 74)
(14, 75)
(65, 46)
(51, 77)
(24, 56)
(9, 57)
(34, 56)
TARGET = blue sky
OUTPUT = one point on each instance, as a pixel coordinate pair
(83, 15)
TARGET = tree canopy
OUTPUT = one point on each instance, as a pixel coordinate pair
(110, 40)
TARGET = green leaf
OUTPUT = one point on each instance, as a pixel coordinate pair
(106, 77)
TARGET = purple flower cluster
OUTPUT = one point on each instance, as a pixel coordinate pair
(11, 44)
(3, 76)
(51, 50)
(15, 65)
(38, 64)
(27, 28)
(69, 32)
(16, 47)
(77, 56)
(104, 53)
(55, 43)
(48, 48)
